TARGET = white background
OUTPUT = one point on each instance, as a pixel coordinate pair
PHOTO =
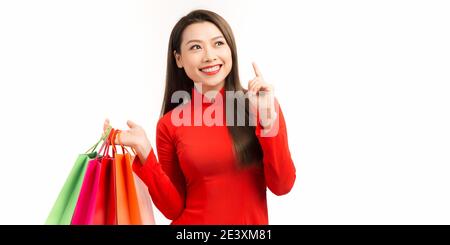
(364, 86)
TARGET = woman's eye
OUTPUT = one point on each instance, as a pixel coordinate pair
(194, 46)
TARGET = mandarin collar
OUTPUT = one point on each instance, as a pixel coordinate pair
(204, 99)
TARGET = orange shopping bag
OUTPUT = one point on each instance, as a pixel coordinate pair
(128, 212)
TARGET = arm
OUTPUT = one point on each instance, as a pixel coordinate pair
(279, 169)
(164, 179)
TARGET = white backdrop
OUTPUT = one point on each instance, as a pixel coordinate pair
(364, 86)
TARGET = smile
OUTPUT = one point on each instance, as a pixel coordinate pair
(211, 70)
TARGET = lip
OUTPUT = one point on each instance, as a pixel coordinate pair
(213, 72)
(210, 66)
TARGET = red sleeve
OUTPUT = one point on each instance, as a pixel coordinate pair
(164, 179)
(279, 169)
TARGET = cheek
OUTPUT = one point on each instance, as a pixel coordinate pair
(226, 57)
(228, 66)
(191, 64)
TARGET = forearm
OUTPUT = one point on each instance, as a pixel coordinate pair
(279, 169)
(166, 187)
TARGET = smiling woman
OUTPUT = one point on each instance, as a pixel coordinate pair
(213, 174)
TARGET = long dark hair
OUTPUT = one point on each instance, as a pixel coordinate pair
(246, 145)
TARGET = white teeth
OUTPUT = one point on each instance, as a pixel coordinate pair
(211, 69)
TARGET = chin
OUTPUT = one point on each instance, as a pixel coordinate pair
(211, 83)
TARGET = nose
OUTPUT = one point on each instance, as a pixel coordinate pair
(209, 56)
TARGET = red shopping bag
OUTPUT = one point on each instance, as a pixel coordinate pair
(105, 206)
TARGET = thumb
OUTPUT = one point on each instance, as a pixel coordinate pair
(131, 124)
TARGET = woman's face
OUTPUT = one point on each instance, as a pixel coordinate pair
(205, 55)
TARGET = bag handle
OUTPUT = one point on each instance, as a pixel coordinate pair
(102, 138)
(112, 143)
(124, 148)
(105, 146)
(109, 143)
(106, 142)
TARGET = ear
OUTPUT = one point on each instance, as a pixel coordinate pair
(178, 59)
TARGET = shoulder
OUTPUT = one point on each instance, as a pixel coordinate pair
(165, 123)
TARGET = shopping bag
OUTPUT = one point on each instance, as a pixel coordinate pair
(144, 200)
(84, 210)
(64, 206)
(105, 208)
(128, 212)
(105, 205)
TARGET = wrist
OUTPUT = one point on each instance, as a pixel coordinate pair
(267, 119)
(142, 145)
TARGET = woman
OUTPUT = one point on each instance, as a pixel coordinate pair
(210, 169)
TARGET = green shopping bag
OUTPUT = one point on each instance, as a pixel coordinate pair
(62, 211)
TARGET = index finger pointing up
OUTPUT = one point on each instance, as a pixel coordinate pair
(257, 71)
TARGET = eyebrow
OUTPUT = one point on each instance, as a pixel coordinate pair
(195, 40)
